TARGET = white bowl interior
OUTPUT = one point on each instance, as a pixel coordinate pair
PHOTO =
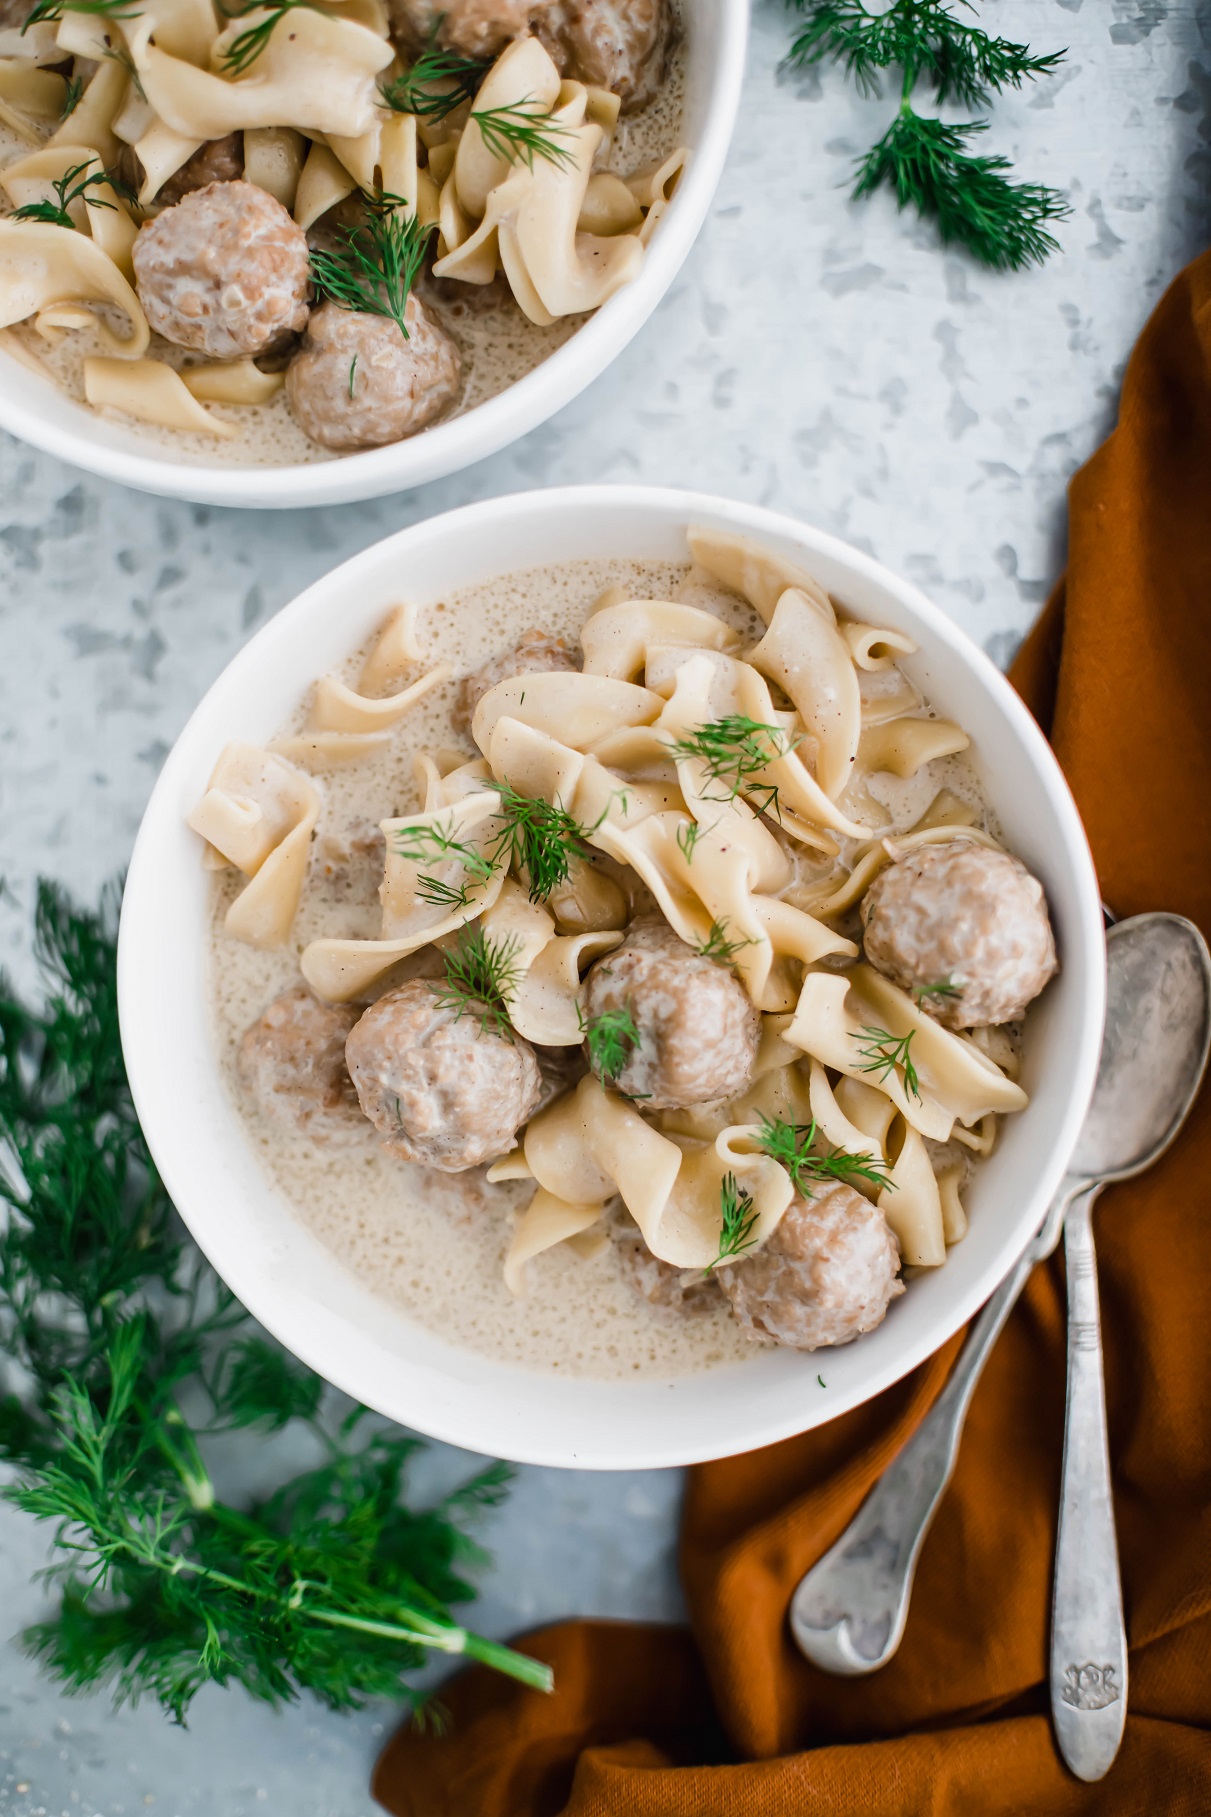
(33, 408)
(283, 1274)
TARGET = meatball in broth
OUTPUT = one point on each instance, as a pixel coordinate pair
(828, 1273)
(291, 1062)
(695, 1028)
(439, 1086)
(357, 383)
(966, 928)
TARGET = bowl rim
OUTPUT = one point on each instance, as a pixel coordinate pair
(351, 1368)
(450, 446)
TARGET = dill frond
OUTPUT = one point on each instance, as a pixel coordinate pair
(926, 165)
(481, 974)
(524, 130)
(247, 45)
(735, 751)
(48, 10)
(611, 1039)
(717, 946)
(439, 82)
(538, 839)
(790, 1144)
(73, 186)
(737, 1219)
(884, 1053)
(73, 90)
(377, 264)
(944, 989)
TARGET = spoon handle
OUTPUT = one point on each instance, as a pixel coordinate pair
(849, 1611)
(1088, 1636)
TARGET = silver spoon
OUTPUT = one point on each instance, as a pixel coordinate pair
(849, 1611)
(1154, 1052)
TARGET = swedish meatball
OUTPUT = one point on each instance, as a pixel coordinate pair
(616, 44)
(357, 383)
(659, 1283)
(226, 272)
(697, 1028)
(477, 28)
(535, 653)
(218, 161)
(828, 1273)
(291, 1061)
(440, 1088)
(968, 918)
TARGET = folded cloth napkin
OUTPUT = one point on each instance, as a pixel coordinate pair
(656, 1722)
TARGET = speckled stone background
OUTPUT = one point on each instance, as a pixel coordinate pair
(814, 355)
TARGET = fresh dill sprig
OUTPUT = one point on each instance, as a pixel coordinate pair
(121, 56)
(481, 974)
(72, 186)
(926, 162)
(524, 130)
(329, 1583)
(717, 946)
(537, 838)
(734, 751)
(737, 1219)
(611, 1039)
(884, 1053)
(247, 45)
(46, 11)
(430, 842)
(73, 90)
(374, 270)
(352, 375)
(790, 1144)
(437, 83)
(944, 989)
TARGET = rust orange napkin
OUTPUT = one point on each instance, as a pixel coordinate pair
(728, 1719)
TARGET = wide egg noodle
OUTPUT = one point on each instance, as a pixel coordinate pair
(751, 569)
(152, 392)
(42, 265)
(901, 747)
(545, 1222)
(258, 813)
(617, 636)
(344, 724)
(578, 709)
(232, 382)
(29, 97)
(341, 969)
(832, 897)
(911, 1202)
(805, 653)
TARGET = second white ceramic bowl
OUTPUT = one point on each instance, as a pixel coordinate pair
(283, 1274)
(32, 408)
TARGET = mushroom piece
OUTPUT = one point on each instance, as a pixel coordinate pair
(535, 653)
(695, 1029)
(963, 926)
(439, 1086)
(621, 45)
(357, 383)
(827, 1274)
(291, 1061)
(225, 272)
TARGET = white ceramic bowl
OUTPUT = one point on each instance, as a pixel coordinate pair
(32, 408)
(283, 1274)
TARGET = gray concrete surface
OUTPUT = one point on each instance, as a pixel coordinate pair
(817, 356)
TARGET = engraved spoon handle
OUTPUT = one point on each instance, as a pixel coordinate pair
(849, 1611)
(1088, 1634)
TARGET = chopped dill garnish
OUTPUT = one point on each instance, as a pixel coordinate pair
(421, 843)
(48, 10)
(122, 57)
(352, 375)
(247, 45)
(944, 988)
(611, 1039)
(374, 270)
(717, 945)
(537, 838)
(734, 751)
(884, 1052)
(737, 1219)
(790, 1144)
(481, 974)
(524, 130)
(822, 1381)
(440, 894)
(73, 89)
(438, 82)
(688, 835)
(72, 186)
